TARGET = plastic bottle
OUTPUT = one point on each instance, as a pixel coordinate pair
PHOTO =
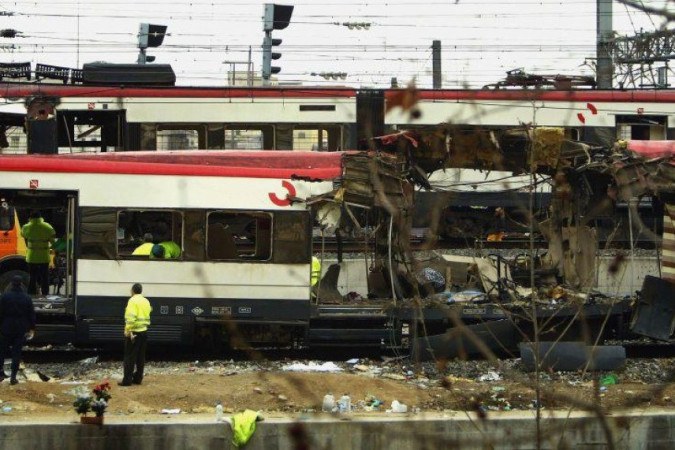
(219, 412)
(328, 403)
(345, 404)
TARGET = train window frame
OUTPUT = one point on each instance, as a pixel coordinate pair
(229, 237)
(198, 128)
(138, 240)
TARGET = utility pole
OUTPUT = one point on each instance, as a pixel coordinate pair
(604, 34)
(436, 56)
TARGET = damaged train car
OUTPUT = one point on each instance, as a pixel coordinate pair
(243, 223)
(557, 288)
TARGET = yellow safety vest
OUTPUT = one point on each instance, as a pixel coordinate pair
(137, 314)
(316, 270)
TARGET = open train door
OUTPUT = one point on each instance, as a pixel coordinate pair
(55, 309)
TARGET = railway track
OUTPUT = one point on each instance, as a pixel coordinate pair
(48, 354)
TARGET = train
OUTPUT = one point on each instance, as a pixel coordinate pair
(114, 115)
(111, 120)
(243, 222)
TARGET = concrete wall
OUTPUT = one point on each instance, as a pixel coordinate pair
(455, 430)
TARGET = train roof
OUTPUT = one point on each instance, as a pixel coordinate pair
(23, 90)
(226, 163)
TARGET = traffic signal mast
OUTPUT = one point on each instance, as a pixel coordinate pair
(276, 17)
(149, 36)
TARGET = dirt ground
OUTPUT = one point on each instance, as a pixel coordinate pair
(277, 391)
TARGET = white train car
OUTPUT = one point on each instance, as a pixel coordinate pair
(75, 118)
(238, 218)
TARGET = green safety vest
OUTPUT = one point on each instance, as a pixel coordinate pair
(38, 235)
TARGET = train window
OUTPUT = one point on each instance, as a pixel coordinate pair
(292, 232)
(180, 137)
(238, 236)
(320, 138)
(244, 139)
(97, 233)
(137, 232)
(641, 127)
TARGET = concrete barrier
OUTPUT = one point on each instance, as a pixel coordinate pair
(514, 430)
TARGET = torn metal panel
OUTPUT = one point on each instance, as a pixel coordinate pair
(654, 314)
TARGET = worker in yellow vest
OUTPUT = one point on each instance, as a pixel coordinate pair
(39, 236)
(136, 322)
(316, 270)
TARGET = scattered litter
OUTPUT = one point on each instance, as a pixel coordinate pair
(609, 380)
(328, 404)
(51, 398)
(171, 411)
(74, 383)
(466, 296)
(490, 376)
(42, 376)
(257, 390)
(394, 376)
(92, 360)
(398, 407)
(352, 361)
(6, 408)
(312, 367)
(498, 389)
(31, 375)
(345, 404)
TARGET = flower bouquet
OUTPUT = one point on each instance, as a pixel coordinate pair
(98, 403)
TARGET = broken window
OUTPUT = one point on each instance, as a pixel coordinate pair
(137, 230)
(238, 236)
(292, 237)
(641, 127)
(97, 233)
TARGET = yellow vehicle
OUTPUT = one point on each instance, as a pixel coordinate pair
(12, 246)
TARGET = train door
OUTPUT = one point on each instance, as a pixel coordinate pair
(57, 208)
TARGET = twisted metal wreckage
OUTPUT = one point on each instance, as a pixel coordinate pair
(587, 183)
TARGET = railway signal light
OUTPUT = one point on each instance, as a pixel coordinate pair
(149, 36)
(276, 17)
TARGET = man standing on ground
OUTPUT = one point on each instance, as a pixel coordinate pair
(136, 322)
(38, 235)
(17, 323)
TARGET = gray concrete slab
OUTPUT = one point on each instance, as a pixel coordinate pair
(513, 430)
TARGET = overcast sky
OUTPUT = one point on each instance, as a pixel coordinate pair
(481, 39)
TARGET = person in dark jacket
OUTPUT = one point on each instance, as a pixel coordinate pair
(17, 324)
